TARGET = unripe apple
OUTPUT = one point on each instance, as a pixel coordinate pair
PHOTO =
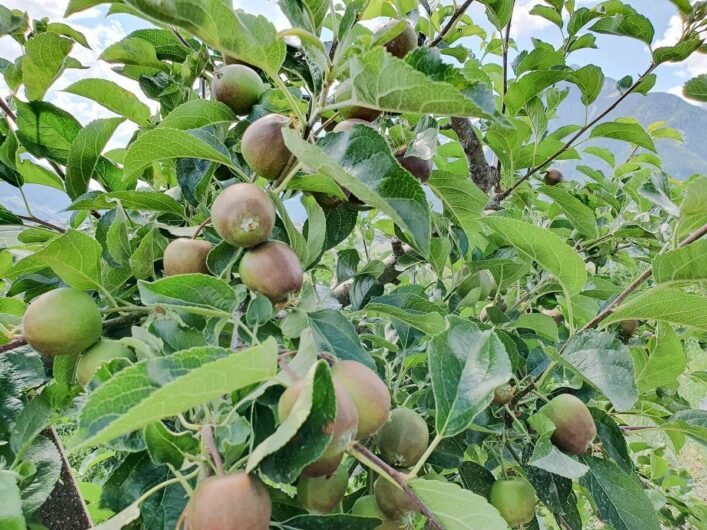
(404, 438)
(62, 322)
(323, 494)
(272, 269)
(403, 43)
(420, 168)
(239, 87)
(514, 498)
(101, 352)
(574, 426)
(186, 256)
(553, 177)
(230, 502)
(263, 146)
(343, 429)
(393, 502)
(368, 392)
(243, 215)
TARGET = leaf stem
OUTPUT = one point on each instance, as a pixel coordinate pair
(423, 459)
(452, 22)
(293, 102)
(366, 457)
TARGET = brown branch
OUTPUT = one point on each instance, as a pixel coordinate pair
(201, 227)
(502, 195)
(452, 21)
(506, 45)
(207, 435)
(34, 219)
(362, 453)
(482, 174)
(390, 274)
(5, 107)
(697, 234)
(13, 344)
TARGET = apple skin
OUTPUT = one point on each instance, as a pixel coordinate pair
(186, 256)
(243, 215)
(514, 498)
(62, 322)
(574, 426)
(404, 438)
(272, 269)
(368, 392)
(239, 87)
(263, 146)
(323, 494)
(356, 112)
(101, 352)
(230, 502)
(403, 43)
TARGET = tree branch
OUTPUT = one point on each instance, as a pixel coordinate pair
(697, 234)
(452, 21)
(34, 219)
(482, 174)
(363, 454)
(502, 195)
(390, 274)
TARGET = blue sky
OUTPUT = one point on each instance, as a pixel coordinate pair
(617, 56)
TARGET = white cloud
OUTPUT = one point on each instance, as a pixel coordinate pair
(695, 65)
(524, 22)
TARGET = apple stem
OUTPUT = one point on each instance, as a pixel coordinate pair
(365, 456)
(201, 227)
(207, 435)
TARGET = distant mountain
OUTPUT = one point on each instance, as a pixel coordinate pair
(680, 160)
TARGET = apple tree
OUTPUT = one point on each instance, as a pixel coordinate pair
(351, 274)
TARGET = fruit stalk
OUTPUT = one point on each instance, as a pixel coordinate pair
(365, 456)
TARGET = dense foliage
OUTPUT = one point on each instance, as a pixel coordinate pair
(458, 336)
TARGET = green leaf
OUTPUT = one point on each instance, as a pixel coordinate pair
(466, 366)
(676, 54)
(43, 63)
(544, 247)
(85, 152)
(316, 229)
(67, 31)
(619, 497)
(190, 290)
(302, 437)
(113, 97)
(430, 323)
(683, 265)
(161, 387)
(142, 261)
(76, 6)
(605, 363)
(541, 324)
(11, 517)
(384, 82)
(549, 458)
(75, 258)
(32, 420)
(46, 131)
(624, 131)
(580, 215)
(696, 88)
(457, 508)
(665, 362)
(462, 199)
(46, 460)
(35, 174)
(295, 239)
(167, 447)
(361, 161)
(666, 305)
(166, 143)
(149, 201)
(333, 333)
(135, 52)
(196, 114)
(628, 24)
(693, 423)
(340, 521)
(252, 39)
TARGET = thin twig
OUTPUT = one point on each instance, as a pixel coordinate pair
(34, 219)
(201, 227)
(4, 106)
(638, 281)
(207, 435)
(502, 195)
(452, 21)
(506, 45)
(363, 454)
